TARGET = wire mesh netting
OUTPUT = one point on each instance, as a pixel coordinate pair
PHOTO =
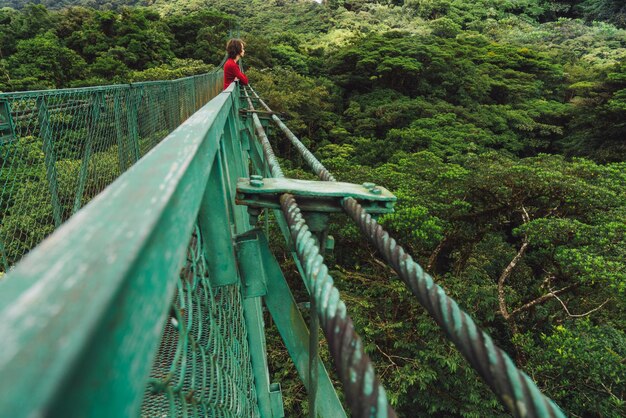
(60, 148)
(203, 364)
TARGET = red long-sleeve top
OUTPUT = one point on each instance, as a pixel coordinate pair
(231, 71)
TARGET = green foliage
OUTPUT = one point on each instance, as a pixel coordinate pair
(306, 101)
(200, 35)
(78, 46)
(475, 114)
(178, 68)
(43, 62)
(583, 351)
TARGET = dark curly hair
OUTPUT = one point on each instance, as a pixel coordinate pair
(234, 47)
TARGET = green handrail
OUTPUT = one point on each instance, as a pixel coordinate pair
(81, 316)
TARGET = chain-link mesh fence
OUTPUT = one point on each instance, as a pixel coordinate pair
(60, 148)
(203, 365)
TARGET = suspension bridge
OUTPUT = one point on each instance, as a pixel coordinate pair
(136, 269)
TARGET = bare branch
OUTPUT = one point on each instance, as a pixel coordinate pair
(386, 355)
(433, 257)
(507, 272)
(580, 315)
(542, 299)
(380, 263)
(505, 275)
(608, 390)
(525, 216)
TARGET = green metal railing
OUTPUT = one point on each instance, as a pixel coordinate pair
(60, 148)
(83, 313)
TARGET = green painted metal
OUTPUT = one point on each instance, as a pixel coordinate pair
(254, 281)
(314, 325)
(91, 134)
(276, 399)
(313, 377)
(515, 389)
(64, 357)
(256, 337)
(292, 327)
(7, 130)
(50, 158)
(313, 196)
(240, 169)
(215, 222)
(256, 156)
(3, 258)
(133, 131)
(251, 265)
(122, 162)
(202, 366)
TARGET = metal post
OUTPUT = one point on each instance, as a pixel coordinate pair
(253, 316)
(169, 109)
(215, 224)
(5, 262)
(292, 327)
(133, 132)
(237, 167)
(119, 135)
(84, 166)
(50, 158)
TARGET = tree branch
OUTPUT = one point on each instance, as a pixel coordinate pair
(580, 315)
(433, 257)
(542, 299)
(505, 275)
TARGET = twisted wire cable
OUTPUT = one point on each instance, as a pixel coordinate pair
(515, 389)
(313, 162)
(270, 157)
(365, 395)
(220, 65)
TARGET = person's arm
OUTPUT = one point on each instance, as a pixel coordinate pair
(241, 76)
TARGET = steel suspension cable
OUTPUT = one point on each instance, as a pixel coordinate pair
(365, 395)
(317, 167)
(515, 389)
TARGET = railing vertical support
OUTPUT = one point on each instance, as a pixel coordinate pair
(215, 225)
(313, 354)
(168, 108)
(236, 168)
(152, 110)
(253, 315)
(257, 263)
(84, 166)
(179, 106)
(254, 287)
(5, 261)
(191, 97)
(50, 158)
(119, 135)
(132, 119)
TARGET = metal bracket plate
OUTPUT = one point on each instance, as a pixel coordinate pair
(313, 196)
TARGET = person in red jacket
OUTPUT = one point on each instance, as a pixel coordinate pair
(236, 51)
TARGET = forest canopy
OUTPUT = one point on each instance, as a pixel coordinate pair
(500, 125)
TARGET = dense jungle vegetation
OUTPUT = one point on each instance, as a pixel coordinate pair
(499, 124)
